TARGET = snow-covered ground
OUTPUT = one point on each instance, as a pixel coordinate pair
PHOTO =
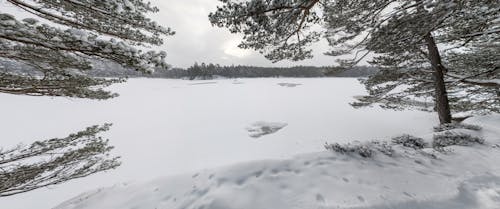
(173, 127)
(460, 178)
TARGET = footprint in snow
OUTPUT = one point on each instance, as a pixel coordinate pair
(211, 176)
(258, 174)
(320, 198)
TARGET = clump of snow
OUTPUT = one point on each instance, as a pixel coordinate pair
(80, 35)
(8, 22)
(30, 21)
(289, 84)
(262, 128)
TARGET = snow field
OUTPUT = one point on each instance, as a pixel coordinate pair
(170, 127)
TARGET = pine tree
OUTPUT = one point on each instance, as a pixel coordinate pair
(85, 30)
(54, 161)
(194, 71)
(440, 49)
(59, 43)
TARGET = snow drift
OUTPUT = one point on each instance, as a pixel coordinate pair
(461, 177)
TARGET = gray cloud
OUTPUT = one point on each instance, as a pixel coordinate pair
(197, 40)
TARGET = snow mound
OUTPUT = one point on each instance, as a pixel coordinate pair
(289, 84)
(320, 180)
(468, 177)
(262, 128)
(481, 192)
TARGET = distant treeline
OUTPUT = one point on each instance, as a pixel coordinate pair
(211, 71)
(208, 71)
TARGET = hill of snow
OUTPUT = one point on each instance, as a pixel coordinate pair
(463, 177)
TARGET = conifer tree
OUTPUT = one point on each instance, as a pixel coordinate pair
(59, 42)
(441, 49)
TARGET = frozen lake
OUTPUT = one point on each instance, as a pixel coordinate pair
(168, 127)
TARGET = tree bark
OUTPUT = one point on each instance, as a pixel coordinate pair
(441, 97)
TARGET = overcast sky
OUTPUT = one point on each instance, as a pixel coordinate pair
(197, 40)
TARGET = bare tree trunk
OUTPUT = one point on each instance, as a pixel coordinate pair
(441, 97)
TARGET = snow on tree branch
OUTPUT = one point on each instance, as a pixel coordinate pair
(83, 31)
(49, 162)
(279, 29)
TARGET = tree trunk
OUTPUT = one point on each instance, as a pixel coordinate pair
(441, 97)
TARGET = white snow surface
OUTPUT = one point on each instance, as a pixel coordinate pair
(464, 178)
(171, 127)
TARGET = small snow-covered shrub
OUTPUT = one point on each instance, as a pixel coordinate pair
(451, 138)
(451, 126)
(409, 141)
(364, 150)
(361, 149)
(383, 147)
